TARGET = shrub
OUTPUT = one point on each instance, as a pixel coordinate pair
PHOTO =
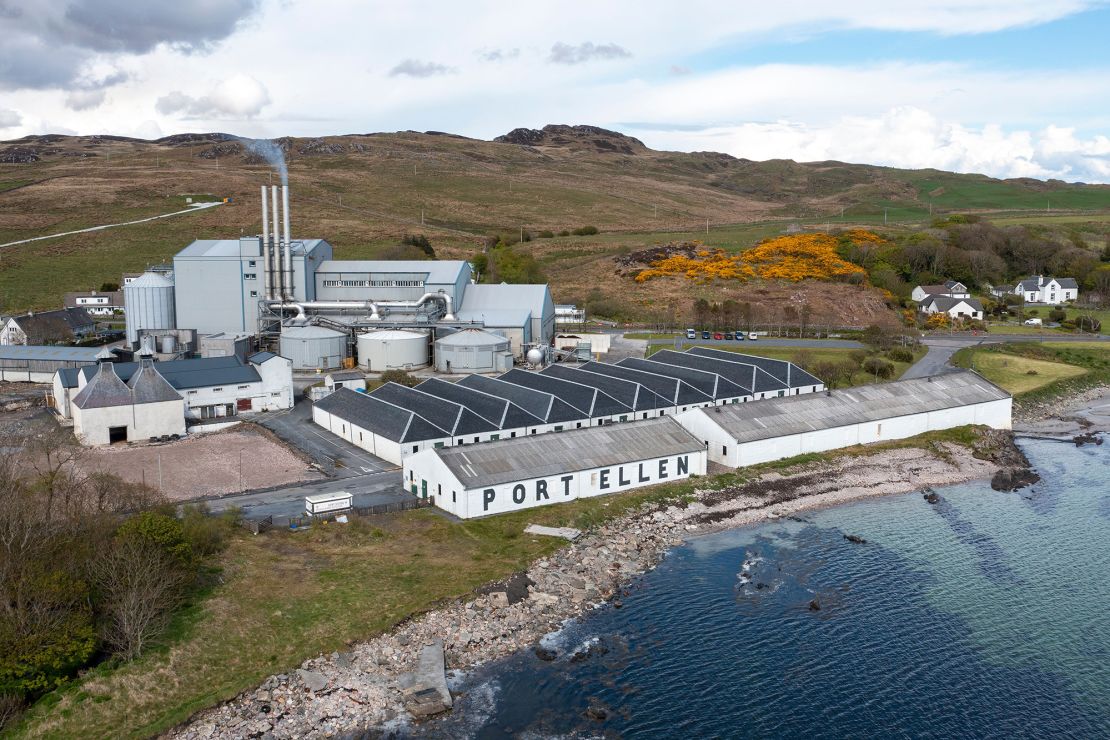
(159, 531)
(545, 234)
(900, 354)
(420, 242)
(878, 367)
(400, 377)
(1057, 314)
(564, 232)
(206, 534)
(1088, 323)
(585, 231)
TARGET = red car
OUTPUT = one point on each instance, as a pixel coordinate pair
(718, 335)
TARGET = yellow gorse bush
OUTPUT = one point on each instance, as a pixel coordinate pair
(794, 257)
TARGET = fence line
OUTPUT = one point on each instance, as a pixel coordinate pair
(395, 507)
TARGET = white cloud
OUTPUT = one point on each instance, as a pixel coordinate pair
(80, 100)
(240, 96)
(9, 118)
(910, 138)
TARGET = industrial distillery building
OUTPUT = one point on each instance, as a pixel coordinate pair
(513, 474)
(108, 409)
(22, 363)
(279, 288)
(211, 387)
(777, 428)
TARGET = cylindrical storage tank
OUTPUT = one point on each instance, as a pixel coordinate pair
(313, 347)
(147, 343)
(472, 351)
(148, 304)
(392, 349)
(169, 344)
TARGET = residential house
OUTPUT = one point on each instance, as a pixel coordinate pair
(950, 288)
(1039, 289)
(64, 326)
(96, 302)
(956, 308)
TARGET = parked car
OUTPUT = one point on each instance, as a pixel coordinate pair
(718, 335)
(691, 334)
(739, 334)
(705, 335)
(753, 336)
(1033, 322)
(728, 336)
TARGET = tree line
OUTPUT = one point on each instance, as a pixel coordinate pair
(92, 567)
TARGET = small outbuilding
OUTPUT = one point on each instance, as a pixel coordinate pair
(776, 428)
(526, 472)
(352, 379)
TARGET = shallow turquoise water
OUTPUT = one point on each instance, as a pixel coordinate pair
(987, 615)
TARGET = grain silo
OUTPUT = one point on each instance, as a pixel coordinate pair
(473, 351)
(313, 347)
(149, 304)
(392, 349)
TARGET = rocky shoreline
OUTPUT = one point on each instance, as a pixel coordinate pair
(371, 687)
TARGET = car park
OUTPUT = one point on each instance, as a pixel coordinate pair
(705, 335)
(752, 337)
(728, 336)
(718, 335)
(691, 334)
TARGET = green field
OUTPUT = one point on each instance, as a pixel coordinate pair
(1022, 374)
(1058, 368)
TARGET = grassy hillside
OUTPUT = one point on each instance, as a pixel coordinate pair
(362, 192)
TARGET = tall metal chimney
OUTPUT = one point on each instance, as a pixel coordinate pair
(288, 246)
(279, 286)
(267, 253)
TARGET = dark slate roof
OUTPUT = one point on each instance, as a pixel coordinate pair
(448, 415)
(148, 386)
(1033, 283)
(586, 399)
(946, 303)
(711, 384)
(44, 326)
(747, 376)
(500, 412)
(782, 370)
(104, 390)
(346, 375)
(542, 405)
(259, 357)
(630, 393)
(935, 289)
(1068, 283)
(201, 372)
(675, 391)
(380, 417)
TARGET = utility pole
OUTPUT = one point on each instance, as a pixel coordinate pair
(521, 234)
(884, 217)
(707, 225)
(421, 216)
(655, 211)
(159, 471)
(240, 471)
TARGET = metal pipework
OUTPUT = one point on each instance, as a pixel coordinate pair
(267, 255)
(290, 293)
(374, 307)
(448, 304)
(279, 287)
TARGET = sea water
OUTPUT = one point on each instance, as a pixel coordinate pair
(984, 615)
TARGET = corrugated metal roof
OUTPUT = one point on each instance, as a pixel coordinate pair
(505, 295)
(48, 352)
(473, 338)
(523, 458)
(231, 248)
(154, 280)
(497, 317)
(435, 271)
(778, 417)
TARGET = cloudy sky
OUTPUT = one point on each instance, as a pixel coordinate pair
(1007, 87)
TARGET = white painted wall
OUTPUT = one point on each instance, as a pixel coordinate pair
(16, 375)
(426, 471)
(143, 421)
(724, 449)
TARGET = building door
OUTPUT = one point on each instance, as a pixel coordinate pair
(414, 489)
(243, 404)
(117, 434)
(423, 489)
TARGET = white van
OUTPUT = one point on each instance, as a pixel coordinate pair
(1033, 322)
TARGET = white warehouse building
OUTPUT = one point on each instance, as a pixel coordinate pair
(777, 428)
(527, 472)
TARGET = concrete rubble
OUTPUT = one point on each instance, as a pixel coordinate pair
(394, 677)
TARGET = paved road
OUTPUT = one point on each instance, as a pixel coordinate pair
(766, 342)
(335, 456)
(941, 348)
(369, 490)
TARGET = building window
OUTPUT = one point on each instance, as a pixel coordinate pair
(512, 434)
(254, 294)
(438, 445)
(250, 276)
(533, 431)
(494, 437)
(415, 448)
(724, 450)
(577, 426)
(476, 440)
(331, 283)
(559, 427)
